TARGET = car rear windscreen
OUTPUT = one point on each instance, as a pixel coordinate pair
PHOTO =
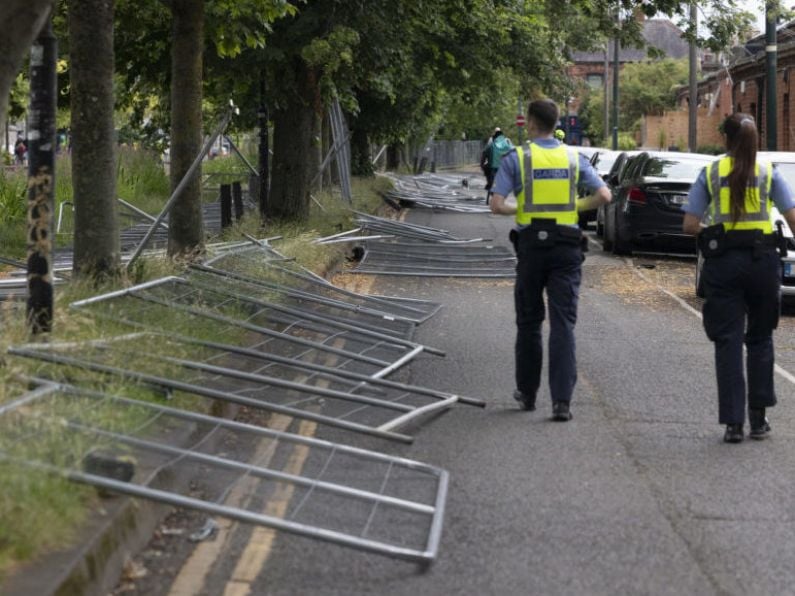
(679, 169)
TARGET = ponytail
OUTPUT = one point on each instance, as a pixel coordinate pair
(741, 142)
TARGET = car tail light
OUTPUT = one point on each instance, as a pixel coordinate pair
(636, 195)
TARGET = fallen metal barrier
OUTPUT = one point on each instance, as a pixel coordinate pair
(436, 260)
(351, 402)
(175, 302)
(340, 494)
(260, 262)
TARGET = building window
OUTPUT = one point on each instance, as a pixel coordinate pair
(594, 81)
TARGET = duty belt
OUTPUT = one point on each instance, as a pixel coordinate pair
(715, 240)
(546, 233)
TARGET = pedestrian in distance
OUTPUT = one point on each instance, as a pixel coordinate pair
(491, 157)
(20, 152)
(742, 272)
(549, 246)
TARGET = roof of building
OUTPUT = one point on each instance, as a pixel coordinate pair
(658, 33)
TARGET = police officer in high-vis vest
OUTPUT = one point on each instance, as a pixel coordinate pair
(544, 178)
(742, 272)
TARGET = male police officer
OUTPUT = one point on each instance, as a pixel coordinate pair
(544, 179)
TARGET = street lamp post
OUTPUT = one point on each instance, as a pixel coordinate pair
(771, 54)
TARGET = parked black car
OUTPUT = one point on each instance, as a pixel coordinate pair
(612, 177)
(602, 160)
(648, 194)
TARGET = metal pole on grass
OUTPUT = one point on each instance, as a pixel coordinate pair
(41, 179)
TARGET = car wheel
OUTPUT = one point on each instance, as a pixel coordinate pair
(620, 246)
(699, 279)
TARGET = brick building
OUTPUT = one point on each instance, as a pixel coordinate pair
(741, 86)
(592, 68)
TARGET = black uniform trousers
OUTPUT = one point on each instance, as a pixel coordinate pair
(742, 289)
(558, 269)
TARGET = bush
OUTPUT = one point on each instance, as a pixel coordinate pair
(626, 142)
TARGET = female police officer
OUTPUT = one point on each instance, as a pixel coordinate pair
(742, 272)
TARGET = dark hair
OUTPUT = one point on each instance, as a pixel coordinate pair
(741, 142)
(545, 113)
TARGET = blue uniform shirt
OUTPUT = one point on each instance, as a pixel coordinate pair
(698, 198)
(509, 177)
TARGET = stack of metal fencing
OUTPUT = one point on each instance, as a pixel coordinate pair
(247, 328)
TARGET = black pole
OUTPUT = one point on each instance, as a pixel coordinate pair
(606, 91)
(41, 179)
(262, 118)
(237, 200)
(226, 206)
(771, 52)
(692, 114)
(616, 67)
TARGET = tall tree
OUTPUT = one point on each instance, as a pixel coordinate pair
(226, 28)
(20, 22)
(96, 239)
(185, 230)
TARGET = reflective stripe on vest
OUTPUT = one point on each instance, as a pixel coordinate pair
(552, 189)
(757, 197)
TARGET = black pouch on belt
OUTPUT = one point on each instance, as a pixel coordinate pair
(541, 233)
(712, 241)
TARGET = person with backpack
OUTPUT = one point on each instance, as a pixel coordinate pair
(498, 146)
(20, 151)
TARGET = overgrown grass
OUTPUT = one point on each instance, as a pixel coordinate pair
(141, 180)
(39, 512)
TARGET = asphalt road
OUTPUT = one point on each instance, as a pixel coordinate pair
(637, 494)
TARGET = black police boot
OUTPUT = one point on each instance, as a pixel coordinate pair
(561, 411)
(760, 427)
(525, 401)
(734, 433)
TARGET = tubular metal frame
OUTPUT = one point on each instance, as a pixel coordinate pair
(411, 308)
(435, 511)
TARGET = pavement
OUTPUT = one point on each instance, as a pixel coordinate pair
(637, 494)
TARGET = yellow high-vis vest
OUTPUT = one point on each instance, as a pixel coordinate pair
(757, 197)
(549, 184)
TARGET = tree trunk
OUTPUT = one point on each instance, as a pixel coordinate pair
(393, 157)
(20, 22)
(96, 239)
(292, 142)
(185, 225)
